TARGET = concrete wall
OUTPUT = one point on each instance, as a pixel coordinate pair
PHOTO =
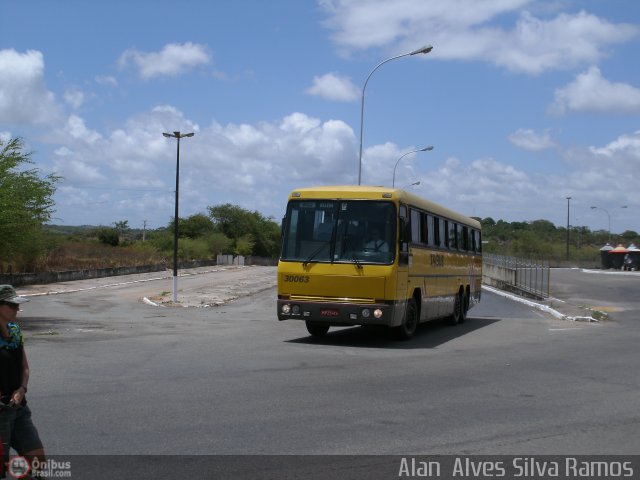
(230, 260)
(18, 279)
(498, 276)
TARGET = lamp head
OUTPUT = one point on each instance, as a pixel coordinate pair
(425, 49)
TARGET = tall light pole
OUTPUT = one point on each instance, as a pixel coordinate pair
(568, 208)
(425, 149)
(177, 136)
(425, 49)
(608, 216)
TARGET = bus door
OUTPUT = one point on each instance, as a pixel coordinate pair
(404, 260)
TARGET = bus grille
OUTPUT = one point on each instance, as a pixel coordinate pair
(305, 298)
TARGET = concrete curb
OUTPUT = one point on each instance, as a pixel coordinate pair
(540, 306)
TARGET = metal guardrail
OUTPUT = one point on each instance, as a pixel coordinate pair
(524, 276)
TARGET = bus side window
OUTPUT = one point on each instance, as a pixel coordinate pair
(415, 226)
(451, 236)
(465, 239)
(424, 229)
(446, 234)
(430, 231)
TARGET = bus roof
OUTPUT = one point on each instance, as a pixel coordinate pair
(356, 192)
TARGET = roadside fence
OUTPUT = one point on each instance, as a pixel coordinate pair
(523, 276)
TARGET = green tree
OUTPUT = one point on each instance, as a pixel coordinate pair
(244, 245)
(232, 220)
(237, 223)
(108, 236)
(195, 226)
(26, 204)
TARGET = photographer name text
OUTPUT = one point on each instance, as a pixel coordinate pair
(518, 467)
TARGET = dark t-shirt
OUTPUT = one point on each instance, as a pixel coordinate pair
(11, 362)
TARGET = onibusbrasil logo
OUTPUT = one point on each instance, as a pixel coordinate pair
(19, 467)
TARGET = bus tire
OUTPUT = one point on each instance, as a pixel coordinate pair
(458, 308)
(316, 329)
(464, 306)
(410, 321)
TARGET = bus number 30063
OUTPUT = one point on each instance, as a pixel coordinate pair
(296, 278)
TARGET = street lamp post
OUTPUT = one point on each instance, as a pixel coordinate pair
(568, 208)
(177, 136)
(425, 49)
(425, 149)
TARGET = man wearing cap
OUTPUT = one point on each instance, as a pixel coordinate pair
(16, 428)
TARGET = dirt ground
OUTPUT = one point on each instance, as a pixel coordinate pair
(197, 287)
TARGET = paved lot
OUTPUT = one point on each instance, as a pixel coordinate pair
(113, 375)
(577, 294)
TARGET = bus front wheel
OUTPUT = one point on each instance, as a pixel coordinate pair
(317, 329)
(410, 321)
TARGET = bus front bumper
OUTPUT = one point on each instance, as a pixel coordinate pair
(337, 314)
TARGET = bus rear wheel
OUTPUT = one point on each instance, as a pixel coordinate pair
(464, 306)
(458, 310)
(409, 323)
(316, 329)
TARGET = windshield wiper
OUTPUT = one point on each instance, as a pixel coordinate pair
(314, 253)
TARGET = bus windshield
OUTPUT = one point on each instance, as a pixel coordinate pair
(345, 231)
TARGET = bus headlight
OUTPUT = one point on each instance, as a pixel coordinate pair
(377, 313)
(295, 310)
(286, 309)
(365, 313)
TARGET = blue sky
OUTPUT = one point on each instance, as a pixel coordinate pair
(525, 102)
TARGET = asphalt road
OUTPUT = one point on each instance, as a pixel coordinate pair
(114, 375)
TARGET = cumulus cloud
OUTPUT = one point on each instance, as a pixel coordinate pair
(75, 98)
(334, 87)
(24, 97)
(106, 80)
(591, 92)
(528, 139)
(469, 30)
(174, 59)
(239, 163)
(483, 187)
(605, 175)
(129, 171)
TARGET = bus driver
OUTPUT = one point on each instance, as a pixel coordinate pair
(376, 244)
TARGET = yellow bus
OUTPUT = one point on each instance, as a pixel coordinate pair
(356, 255)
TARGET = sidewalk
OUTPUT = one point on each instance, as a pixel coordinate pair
(555, 307)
